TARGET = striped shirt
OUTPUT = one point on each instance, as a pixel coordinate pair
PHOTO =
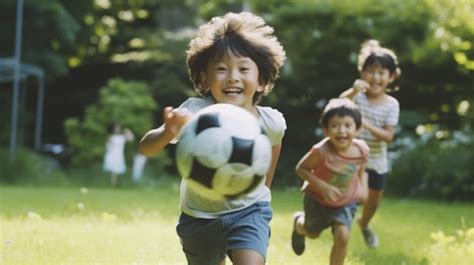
(380, 115)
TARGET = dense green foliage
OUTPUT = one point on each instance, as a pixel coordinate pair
(30, 168)
(129, 103)
(437, 168)
(146, 40)
(322, 39)
(49, 33)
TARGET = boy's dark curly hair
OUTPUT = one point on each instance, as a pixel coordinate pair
(243, 34)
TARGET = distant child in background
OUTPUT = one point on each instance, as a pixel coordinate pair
(139, 162)
(114, 159)
(234, 59)
(378, 68)
(334, 180)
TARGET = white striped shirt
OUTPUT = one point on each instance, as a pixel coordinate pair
(380, 115)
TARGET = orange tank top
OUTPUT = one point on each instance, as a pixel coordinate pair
(339, 171)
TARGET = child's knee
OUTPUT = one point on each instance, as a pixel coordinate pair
(312, 235)
(341, 234)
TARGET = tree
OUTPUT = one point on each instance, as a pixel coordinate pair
(50, 31)
(127, 102)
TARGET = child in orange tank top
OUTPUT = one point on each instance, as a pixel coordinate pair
(334, 180)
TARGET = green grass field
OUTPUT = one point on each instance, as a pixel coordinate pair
(137, 226)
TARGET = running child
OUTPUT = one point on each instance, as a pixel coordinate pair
(378, 69)
(334, 177)
(234, 59)
(114, 157)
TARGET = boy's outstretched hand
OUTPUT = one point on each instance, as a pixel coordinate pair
(175, 119)
(156, 139)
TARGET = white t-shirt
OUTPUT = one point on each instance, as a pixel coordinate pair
(380, 115)
(274, 124)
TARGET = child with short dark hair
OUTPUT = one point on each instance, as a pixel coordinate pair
(379, 71)
(334, 180)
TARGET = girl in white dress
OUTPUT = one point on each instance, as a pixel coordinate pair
(114, 159)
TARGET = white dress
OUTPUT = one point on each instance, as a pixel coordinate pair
(114, 159)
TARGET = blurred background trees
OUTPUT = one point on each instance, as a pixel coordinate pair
(127, 103)
(83, 44)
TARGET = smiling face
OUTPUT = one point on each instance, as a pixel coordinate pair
(378, 78)
(234, 80)
(341, 130)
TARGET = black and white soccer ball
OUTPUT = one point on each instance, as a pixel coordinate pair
(223, 153)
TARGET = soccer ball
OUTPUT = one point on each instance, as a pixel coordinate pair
(223, 153)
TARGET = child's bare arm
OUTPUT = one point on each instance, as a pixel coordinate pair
(276, 149)
(385, 134)
(364, 185)
(304, 171)
(359, 86)
(128, 134)
(156, 140)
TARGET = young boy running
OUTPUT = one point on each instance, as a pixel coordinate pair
(234, 59)
(334, 180)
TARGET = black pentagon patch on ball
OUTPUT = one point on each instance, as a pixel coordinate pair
(256, 180)
(202, 174)
(206, 121)
(241, 151)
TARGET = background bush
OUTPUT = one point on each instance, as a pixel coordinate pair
(127, 102)
(436, 168)
(83, 44)
(322, 40)
(30, 168)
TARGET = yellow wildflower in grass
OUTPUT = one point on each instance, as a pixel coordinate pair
(469, 234)
(450, 249)
(440, 238)
(108, 217)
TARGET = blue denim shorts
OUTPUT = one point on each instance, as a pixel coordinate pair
(319, 217)
(376, 181)
(207, 241)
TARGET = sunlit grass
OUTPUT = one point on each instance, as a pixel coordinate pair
(137, 226)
